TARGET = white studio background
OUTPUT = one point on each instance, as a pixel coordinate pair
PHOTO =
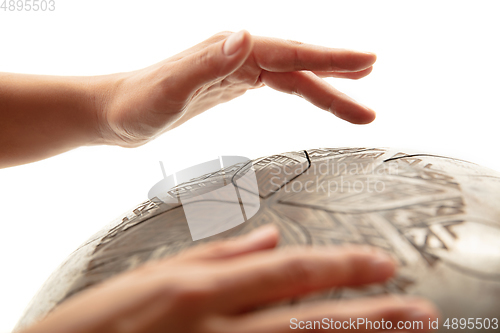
(435, 89)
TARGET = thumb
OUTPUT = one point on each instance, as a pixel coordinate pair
(215, 61)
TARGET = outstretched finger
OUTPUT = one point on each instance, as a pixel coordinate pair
(320, 93)
(278, 55)
(345, 75)
(261, 278)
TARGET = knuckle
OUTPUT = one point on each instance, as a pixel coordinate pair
(207, 59)
(300, 271)
(203, 58)
(148, 268)
(189, 292)
(218, 249)
(294, 42)
(221, 35)
(297, 60)
(332, 59)
(224, 33)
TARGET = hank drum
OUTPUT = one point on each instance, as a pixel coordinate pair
(438, 216)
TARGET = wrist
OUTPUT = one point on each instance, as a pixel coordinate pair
(102, 92)
(126, 107)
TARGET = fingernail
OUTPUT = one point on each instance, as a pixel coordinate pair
(419, 315)
(260, 233)
(233, 43)
(383, 266)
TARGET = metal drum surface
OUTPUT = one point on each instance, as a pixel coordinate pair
(438, 216)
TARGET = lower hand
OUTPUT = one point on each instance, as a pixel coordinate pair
(222, 287)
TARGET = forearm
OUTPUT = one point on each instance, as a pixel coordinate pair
(41, 116)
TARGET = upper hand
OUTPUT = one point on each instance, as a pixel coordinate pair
(140, 105)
